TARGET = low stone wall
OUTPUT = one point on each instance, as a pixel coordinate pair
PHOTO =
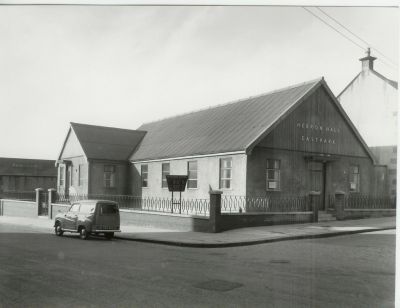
(364, 213)
(243, 220)
(164, 221)
(17, 208)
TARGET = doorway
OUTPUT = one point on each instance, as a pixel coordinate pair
(317, 171)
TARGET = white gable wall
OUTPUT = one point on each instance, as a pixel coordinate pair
(72, 147)
(371, 104)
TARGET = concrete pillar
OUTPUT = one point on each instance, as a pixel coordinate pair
(313, 199)
(39, 199)
(51, 199)
(339, 205)
(215, 211)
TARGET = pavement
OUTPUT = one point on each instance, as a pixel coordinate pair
(231, 238)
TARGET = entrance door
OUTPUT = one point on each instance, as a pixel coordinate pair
(317, 181)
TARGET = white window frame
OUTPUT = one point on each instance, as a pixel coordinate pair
(190, 171)
(354, 185)
(225, 179)
(62, 175)
(144, 175)
(109, 176)
(273, 183)
(164, 183)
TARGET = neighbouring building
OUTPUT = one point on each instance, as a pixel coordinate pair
(94, 160)
(288, 142)
(371, 102)
(25, 175)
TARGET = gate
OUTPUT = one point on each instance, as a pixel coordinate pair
(43, 209)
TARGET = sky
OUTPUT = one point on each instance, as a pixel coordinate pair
(122, 66)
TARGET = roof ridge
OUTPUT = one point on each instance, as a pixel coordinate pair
(390, 81)
(106, 127)
(238, 100)
(19, 158)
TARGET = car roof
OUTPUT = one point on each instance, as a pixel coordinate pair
(95, 201)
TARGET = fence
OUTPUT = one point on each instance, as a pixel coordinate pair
(153, 204)
(238, 204)
(19, 195)
(369, 202)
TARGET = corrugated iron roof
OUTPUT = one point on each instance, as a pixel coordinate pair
(27, 167)
(100, 142)
(225, 128)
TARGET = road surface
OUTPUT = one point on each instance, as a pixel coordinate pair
(42, 270)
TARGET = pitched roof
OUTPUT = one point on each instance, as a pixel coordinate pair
(27, 167)
(100, 142)
(389, 81)
(230, 127)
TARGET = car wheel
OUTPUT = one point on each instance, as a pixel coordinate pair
(109, 235)
(57, 229)
(83, 234)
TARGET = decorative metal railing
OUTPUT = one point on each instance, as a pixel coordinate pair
(358, 201)
(19, 195)
(238, 204)
(154, 204)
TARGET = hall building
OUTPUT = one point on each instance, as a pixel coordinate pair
(283, 143)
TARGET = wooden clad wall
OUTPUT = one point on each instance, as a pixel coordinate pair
(315, 126)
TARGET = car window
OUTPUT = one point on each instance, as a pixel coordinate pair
(74, 207)
(108, 208)
(87, 208)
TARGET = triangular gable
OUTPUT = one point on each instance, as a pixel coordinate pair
(71, 146)
(373, 73)
(300, 128)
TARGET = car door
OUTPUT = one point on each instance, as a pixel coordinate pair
(71, 217)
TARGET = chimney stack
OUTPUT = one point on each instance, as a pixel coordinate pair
(367, 63)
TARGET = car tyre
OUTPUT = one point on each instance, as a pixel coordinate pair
(83, 234)
(57, 229)
(109, 235)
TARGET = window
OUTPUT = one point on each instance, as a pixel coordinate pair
(74, 207)
(392, 171)
(394, 149)
(273, 174)
(225, 173)
(70, 175)
(109, 176)
(393, 160)
(108, 208)
(62, 175)
(87, 208)
(164, 172)
(80, 175)
(144, 173)
(192, 174)
(354, 178)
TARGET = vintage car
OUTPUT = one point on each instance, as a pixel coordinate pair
(89, 217)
